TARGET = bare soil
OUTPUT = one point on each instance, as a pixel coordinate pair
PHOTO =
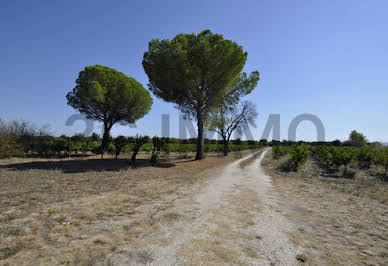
(75, 211)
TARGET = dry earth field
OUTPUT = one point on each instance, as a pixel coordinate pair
(107, 212)
(74, 211)
(339, 221)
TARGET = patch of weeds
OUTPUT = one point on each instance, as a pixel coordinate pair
(83, 216)
(50, 212)
(13, 231)
(171, 217)
(8, 252)
(61, 218)
(8, 217)
(250, 252)
(99, 242)
(224, 254)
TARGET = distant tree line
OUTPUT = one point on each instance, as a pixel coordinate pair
(22, 139)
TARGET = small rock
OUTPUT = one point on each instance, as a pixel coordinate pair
(301, 258)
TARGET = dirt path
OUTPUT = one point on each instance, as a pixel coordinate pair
(232, 220)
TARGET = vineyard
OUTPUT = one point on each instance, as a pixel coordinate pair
(335, 157)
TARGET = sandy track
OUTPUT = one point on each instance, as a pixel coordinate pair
(233, 219)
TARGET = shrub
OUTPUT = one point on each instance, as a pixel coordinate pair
(69, 146)
(279, 151)
(357, 139)
(158, 144)
(167, 148)
(8, 146)
(59, 145)
(342, 156)
(139, 142)
(365, 157)
(119, 143)
(86, 145)
(299, 155)
(383, 159)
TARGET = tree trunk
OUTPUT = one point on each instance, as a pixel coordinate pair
(105, 139)
(226, 147)
(133, 158)
(200, 138)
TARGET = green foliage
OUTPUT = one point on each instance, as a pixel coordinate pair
(107, 95)
(299, 155)
(43, 145)
(158, 143)
(342, 156)
(357, 139)
(139, 142)
(8, 146)
(111, 149)
(85, 145)
(279, 151)
(167, 148)
(59, 145)
(70, 146)
(336, 156)
(197, 73)
(119, 143)
(383, 159)
(24, 133)
(366, 156)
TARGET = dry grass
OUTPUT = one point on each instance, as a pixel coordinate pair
(340, 221)
(77, 211)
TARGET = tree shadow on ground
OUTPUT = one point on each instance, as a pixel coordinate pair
(86, 165)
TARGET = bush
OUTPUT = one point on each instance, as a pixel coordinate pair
(383, 159)
(342, 156)
(158, 144)
(299, 155)
(365, 157)
(357, 139)
(139, 142)
(279, 151)
(119, 143)
(8, 146)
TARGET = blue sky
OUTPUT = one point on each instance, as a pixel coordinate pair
(327, 58)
